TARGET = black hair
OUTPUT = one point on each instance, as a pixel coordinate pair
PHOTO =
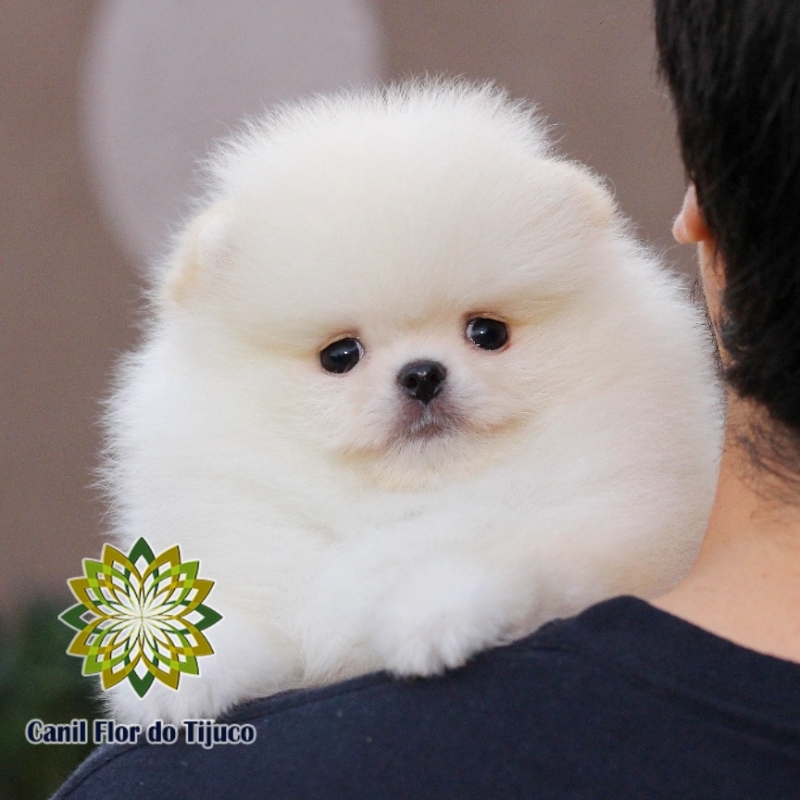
(733, 70)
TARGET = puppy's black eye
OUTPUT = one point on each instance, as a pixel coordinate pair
(341, 356)
(488, 334)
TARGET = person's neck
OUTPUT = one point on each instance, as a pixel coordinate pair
(745, 585)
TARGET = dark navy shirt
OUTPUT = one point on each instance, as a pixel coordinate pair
(623, 701)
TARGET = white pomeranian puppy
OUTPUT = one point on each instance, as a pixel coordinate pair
(410, 390)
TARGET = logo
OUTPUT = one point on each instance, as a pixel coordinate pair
(140, 617)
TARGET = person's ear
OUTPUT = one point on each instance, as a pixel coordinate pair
(689, 226)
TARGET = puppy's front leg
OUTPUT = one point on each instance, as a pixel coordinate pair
(249, 661)
(444, 612)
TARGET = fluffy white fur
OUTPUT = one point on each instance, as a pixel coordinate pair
(574, 464)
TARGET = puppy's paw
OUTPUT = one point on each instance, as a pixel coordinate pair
(438, 619)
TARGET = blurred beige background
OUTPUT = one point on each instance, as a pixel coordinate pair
(82, 205)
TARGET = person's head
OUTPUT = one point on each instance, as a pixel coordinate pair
(733, 70)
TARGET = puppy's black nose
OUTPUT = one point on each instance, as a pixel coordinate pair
(422, 380)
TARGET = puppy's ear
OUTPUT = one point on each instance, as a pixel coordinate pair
(583, 191)
(200, 249)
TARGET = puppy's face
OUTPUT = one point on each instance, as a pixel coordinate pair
(401, 313)
(422, 398)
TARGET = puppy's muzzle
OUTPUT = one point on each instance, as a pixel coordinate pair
(422, 380)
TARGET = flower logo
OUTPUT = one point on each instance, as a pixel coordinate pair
(140, 617)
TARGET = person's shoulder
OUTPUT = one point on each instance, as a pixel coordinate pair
(600, 705)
